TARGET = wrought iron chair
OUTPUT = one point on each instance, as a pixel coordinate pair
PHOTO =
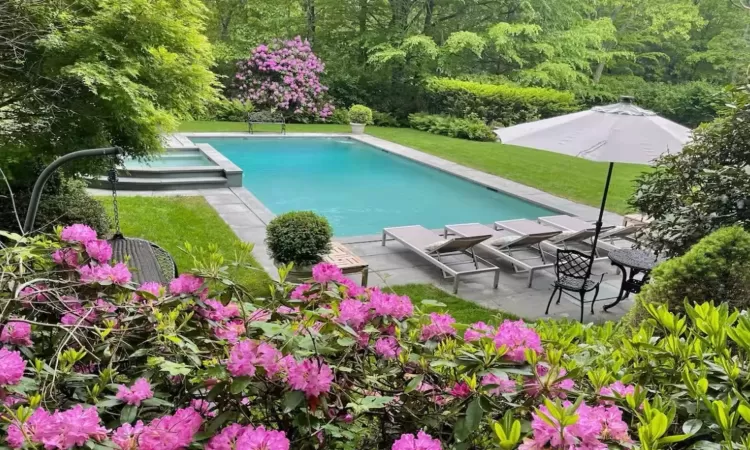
(573, 272)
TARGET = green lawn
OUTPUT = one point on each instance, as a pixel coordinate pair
(171, 221)
(573, 178)
(464, 311)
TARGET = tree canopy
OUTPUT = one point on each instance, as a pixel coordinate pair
(377, 50)
(88, 73)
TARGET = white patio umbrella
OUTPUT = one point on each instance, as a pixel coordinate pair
(621, 132)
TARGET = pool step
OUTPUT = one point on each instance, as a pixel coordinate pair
(161, 184)
(173, 172)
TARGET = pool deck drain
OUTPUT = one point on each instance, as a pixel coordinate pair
(395, 265)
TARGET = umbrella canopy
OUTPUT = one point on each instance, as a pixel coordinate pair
(621, 132)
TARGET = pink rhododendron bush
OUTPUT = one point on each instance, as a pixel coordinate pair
(91, 359)
(284, 76)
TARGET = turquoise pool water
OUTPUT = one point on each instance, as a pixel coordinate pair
(177, 159)
(361, 189)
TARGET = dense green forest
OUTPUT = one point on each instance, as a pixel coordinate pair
(672, 54)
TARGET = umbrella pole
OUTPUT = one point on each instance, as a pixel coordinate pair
(599, 222)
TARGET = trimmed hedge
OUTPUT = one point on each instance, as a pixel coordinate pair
(471, 128)
(715, 269)
(504, 104)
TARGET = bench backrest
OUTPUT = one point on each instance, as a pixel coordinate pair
(265, 117)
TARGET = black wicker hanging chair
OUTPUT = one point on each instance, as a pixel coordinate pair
(148, 261)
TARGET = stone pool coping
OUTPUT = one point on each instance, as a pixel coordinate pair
(492, 182)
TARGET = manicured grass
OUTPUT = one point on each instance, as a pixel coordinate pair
(464, 311)
(565, 176)
(171, 221)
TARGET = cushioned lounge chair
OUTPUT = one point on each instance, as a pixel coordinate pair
(527, 235)
(618, 237)
(435, 248)
(574, 231)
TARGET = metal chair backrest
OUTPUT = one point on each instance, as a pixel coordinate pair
(573, 264)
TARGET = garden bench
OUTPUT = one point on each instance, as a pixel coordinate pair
(257, 117)
(343, 258)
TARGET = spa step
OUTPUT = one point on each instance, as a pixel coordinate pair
(161, 184)
(172, 172)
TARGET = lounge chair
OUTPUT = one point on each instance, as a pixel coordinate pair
(574, 230)
(618, 237)
(433, 248)
(527, 235)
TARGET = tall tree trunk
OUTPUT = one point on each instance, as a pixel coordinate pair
(364, 9)
(310, 15)
(399, 16)
(429, 6)
(598, 73)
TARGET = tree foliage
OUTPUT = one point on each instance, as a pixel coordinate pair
(83, 74)
(380, 52)
(704, 188)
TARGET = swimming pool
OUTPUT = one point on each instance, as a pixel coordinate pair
(361, 189)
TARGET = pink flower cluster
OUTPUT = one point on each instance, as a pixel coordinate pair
(78, 233)
(326, 272)
(18, 333)
(185, 284)
(97, 249)
(593, 426)
(237, 437)
(616, 389)
(134, 395)
(387, 347)
(422, 441)
(310, 376)
(12, 367)
(391, 305)
(60, 430)
(548, 383)
(460, 390)
(501, 385)
(477, 331)
(104, 273)
(517, 337)
(66, 257)
(247, 354)
(218, 312)
(164, 433)
(440, 326)
(284, 75)
(152, 287)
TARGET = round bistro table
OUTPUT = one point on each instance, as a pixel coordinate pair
(631, 262)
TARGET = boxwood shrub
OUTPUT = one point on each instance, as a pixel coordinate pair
(472, 127)
(506, 104)
(299, 237)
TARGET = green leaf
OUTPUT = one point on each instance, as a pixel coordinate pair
(744, 411)
(153, 401)
(174, 369)
(128, 414)
(460, 432)
(692, 426)
(434, 303)
(292, 399)
(346, 341)
(473, 415)
(220, 420)
(239, 384)
(414, 383)
(215, 391)
(370, 402)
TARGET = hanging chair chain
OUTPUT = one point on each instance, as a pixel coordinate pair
(112, 177)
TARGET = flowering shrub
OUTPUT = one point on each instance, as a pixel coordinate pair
(284, 76)
(329, 364)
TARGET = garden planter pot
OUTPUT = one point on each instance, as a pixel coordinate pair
(299, 274)
(358, 128)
